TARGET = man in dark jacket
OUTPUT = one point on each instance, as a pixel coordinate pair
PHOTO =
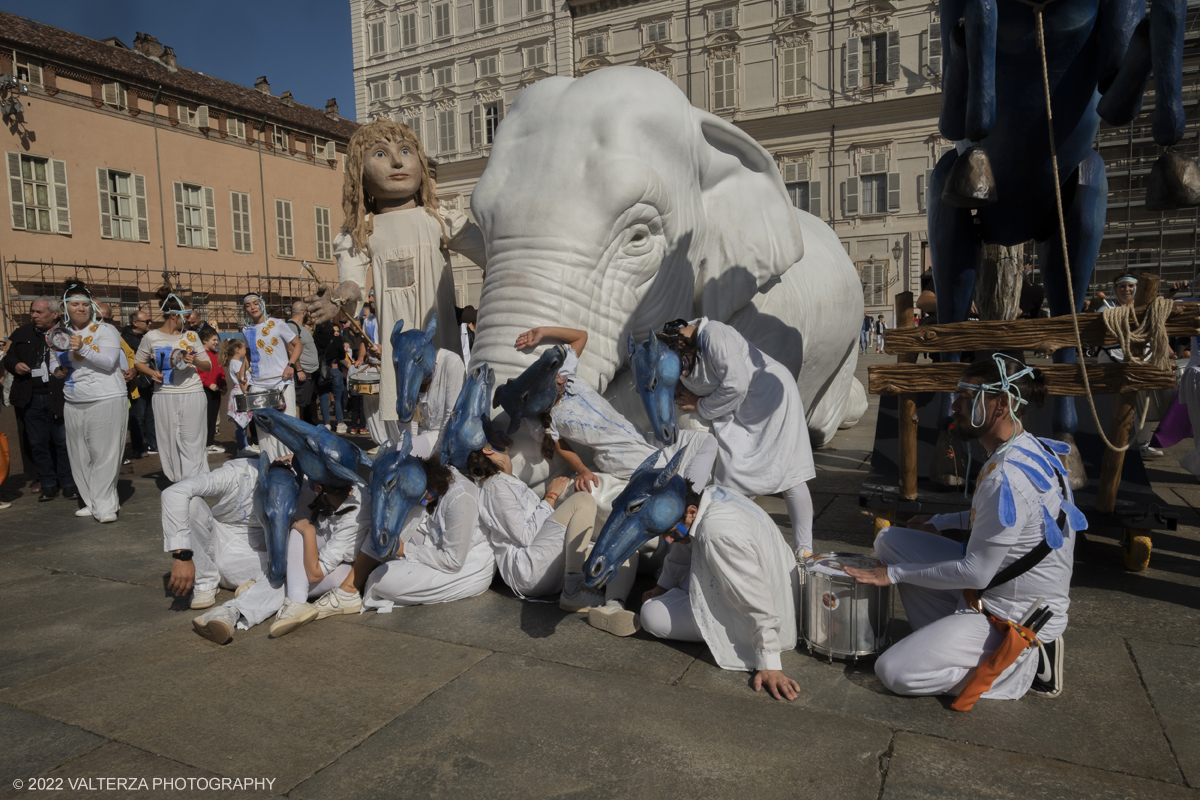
(141, 409)
(37, 396)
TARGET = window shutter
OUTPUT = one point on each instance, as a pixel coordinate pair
(16, 191)
(105, 213)
(789, 172)
(202, 117)
(788, 66)
(35, 72)
(801, 72)
(814, 198)
(143, 220)
(62, 208)
(866, 164)
(210, 218)
(935, 48)
(477, 113)
(881, 162)
(394, 33)
(330, 151)
(893, 192)
(499, 113)
(922, 182)
(851, 196)
(853, 62)
(280, 245)
(109, 94)
(235, 216)
(893, 56)
(180, 233)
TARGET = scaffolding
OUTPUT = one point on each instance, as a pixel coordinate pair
(216, 295)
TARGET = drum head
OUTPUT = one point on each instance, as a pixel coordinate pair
(834, 564)
(59, 339)
(177, 360)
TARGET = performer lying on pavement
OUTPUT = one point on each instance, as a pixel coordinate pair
(1022, 505)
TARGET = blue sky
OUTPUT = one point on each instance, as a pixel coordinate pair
(301, 45)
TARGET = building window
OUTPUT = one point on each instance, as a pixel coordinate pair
(239, 202)
(408, 29)
(279, 137)
(594, 45)
(187, 114)
(119, 194)
(114, 95)
(535, 56)
(724, 83)
(284, 243)
(805, 194)
(722, 19)
(36, 193)
(656, 32)
(324, 235)
(487, 13)
(794, 68)
(874, 49)
(412, 83)
(486, 118)
(533, 6)
(789, 7)
(874, 190)
(873, 60)
(488, 66)
(443, 76)
(441, 20)
(29, 70)
(445, 125)
(414, 123)
(195, 216)
(379, 90)
(874, 282)
(235, 127)
(378, 33)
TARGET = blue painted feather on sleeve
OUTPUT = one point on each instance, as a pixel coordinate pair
(1054, 536)
(1008, 506)
(1033, 473)
(1062, 448)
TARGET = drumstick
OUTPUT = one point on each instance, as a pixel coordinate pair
(321, 288)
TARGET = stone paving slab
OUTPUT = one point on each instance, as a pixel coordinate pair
(1121, 733)
(929, 768)
(516, 727)
(34, 745)
(53, 620)
(258, 707)
(499, 621)
(1172, 677)
(82, 778)
(121, 552)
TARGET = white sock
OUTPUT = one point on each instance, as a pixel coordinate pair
(345, 594)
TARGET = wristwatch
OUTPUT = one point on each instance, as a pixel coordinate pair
(182, 555)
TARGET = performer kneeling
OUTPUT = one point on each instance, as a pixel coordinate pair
(1019, 553)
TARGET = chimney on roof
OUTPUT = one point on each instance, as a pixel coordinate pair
(286, 97)
(331, 109)
(168, 57)
(262, 85)
(147, 45)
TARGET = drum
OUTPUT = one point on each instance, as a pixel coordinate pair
(258, 398)
(365, 381)
(58, 339)
(178, 359)
(840, 616)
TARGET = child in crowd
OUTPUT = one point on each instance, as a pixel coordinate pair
(233, 357)
(214, 384)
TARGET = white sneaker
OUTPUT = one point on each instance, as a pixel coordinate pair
(254, 449)
(341, 428)
(241, 590)
(5, 504)
(374, 450)
(578, 597)
(216, 448)
(217, 625)
(84, 512)
(292, 616)
(613, 617)
(203, 598)
(1149, 450)
(109, 518)
(334, 602)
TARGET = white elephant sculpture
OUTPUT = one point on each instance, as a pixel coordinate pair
(611, 204)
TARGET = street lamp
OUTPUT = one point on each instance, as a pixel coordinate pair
(897, 251)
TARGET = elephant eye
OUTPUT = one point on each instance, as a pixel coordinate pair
(639, 239)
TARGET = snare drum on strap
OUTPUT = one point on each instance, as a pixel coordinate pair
(365, 381)
(840, 616)
(258, 398)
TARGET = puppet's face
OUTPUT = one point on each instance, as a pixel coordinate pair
(392, 170)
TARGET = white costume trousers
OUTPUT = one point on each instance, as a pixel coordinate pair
(558, 548)
(402, 582)
(181, 424)
(95, 443)
(947, 641)
(669, 616)
(222, 557)
(269, 444)
(381, 430)
(800, 509)
(264, 599)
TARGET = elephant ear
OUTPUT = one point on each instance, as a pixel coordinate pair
(753, 234)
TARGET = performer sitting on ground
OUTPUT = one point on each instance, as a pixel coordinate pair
(757, 415)
(1019, 553)
(274, 351)
(442, 555)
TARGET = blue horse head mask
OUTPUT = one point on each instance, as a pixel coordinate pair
(414, 356)
(275, 495)
(534, 391)
(397, 486)
(656, 369)
(651, 504)
(324, 457)
(466, 430)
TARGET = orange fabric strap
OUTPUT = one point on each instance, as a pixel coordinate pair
(1017, 638)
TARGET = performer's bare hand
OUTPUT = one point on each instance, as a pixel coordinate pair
(874, 577)
(76, 342)
(373, 349)
(657, 591)
(685, 400)
(327, 305)
(920, 522)
(183, 575)
(529, 338)
(130, 374)
(61, 372)
(189, 358)
(779, 685)
(584, 481)
(156, 376)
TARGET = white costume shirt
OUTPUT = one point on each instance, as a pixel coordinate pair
(436, 404)
(233, 486)
(992, 546)
(155, 350)
(757, 416)
(344, 530)
(742, 581)
(266, 345)
(443, 539)
(511, 516)
(412, 277)
(96, 368)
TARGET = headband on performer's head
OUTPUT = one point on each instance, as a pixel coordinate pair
(79, 290)
(1002, 386)
(1126, 279)
(262, 304)
(182, 311)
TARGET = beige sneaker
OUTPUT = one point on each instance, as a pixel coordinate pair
(203, 598)
(578, 597)
(241, 590)
(84, 512)
(292, 616)
(217, 625)
(613, 617)
(334, 602)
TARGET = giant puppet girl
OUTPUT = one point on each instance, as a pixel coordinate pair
(396, 233)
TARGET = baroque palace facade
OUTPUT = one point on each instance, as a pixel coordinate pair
(845, 95)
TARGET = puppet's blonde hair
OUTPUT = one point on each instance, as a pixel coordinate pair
(358, 208)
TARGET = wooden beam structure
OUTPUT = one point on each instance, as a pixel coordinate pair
(1061, 379)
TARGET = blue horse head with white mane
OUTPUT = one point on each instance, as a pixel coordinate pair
(465, 430)
(414, 356)
(656, 370)
(651, 504)
(397, 486)
(534, 391)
